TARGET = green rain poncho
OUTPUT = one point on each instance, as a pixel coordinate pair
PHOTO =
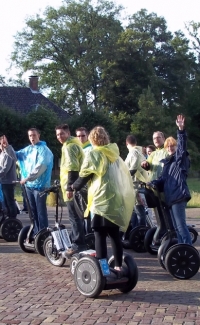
(71, 160)
(110, 191)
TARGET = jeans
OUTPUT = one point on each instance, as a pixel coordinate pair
(9, 199)
(38, 209)
(77, 226)
(25, 208)
(138, 217)
(179, 222)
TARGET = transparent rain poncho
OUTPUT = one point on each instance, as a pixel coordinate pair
(156, 166)
(31, 159)
(71, 160)
(110, 191)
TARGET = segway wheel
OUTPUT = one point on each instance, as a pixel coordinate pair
(10, 229)
(90, 241)
(167, 235)
(74, 260)
(88, 277)
(136, 239)
(148, 239)
(165, 245)
(193, 234)
(130, 264)
(21, 239)
(51, 253)
(40, 239)
(182, 261)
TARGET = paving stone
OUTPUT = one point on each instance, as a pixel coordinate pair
(39, 293)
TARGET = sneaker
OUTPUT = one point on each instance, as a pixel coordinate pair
(27, 244)
(120, 274)
(72, 250)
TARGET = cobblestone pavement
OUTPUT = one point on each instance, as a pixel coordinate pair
(32, 291)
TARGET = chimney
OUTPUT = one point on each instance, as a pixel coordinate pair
(33, 83)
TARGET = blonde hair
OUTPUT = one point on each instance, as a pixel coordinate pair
(98, 136)
(169, 141)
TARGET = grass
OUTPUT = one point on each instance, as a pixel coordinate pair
(193, 183)
(51, 200)
(194, 186)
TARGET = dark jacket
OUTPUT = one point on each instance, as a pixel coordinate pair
(175, 171)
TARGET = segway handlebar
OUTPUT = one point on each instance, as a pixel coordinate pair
(54, 188)
(151, 185)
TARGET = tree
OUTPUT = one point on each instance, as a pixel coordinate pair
(148, 56)
(45, 121)
(67, 48)
(90, 119)
(193, 29)
(150, 118)
(15, 127)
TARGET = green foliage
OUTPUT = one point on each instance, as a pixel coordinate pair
(15, 127)
(90, 119)
(45, 120)
(150, 118)
(67, 48)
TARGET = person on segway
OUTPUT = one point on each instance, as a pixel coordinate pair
(173, 180)
(8, 174)
(109, 190)
(36, 163)
(138, 174)
(71, 160)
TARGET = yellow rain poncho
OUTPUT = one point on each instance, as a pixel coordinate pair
(110, 191)
(71, 160)
(156, 166)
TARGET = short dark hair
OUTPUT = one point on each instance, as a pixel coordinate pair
(34, 129)
(151, 146)
(82, 128)
(64, 127)
(131, 139)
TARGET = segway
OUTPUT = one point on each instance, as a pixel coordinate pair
(9, 227)
(182, 261)
(27, 242)
(156, 234)
(58, 241)
(133, 238)
(91, 275)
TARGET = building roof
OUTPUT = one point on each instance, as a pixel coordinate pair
(23, 100)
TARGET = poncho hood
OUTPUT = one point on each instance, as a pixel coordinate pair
(111, 151)
(72, 140)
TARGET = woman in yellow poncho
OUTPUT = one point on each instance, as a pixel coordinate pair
(110, 193)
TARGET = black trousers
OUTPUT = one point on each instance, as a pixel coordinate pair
(101, 234)
(9, 199)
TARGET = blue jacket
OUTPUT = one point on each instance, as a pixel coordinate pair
(175, 171)
(36, 163)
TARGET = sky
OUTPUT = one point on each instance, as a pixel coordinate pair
(14, 12)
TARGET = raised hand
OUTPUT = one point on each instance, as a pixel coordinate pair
(3, 142)
(180, 121)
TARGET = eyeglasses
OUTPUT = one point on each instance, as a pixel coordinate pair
(157, 138)
(81, 136)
